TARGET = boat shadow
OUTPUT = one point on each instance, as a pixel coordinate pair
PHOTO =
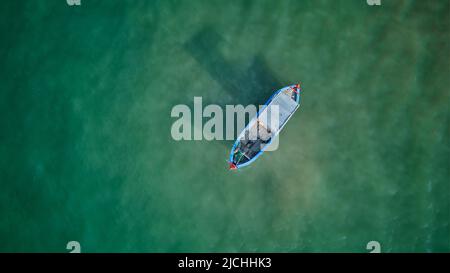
(245, 85)
(250, 84)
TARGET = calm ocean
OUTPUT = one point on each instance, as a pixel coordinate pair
(87, 155)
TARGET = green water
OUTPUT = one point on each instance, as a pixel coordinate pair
(87, 154)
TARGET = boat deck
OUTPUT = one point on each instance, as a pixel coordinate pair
(282, 107)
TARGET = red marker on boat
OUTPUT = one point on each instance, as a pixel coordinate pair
(232, 166)
(297, 88)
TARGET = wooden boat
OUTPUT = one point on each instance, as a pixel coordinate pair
(267, 124)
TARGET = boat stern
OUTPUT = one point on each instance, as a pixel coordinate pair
(232, 166)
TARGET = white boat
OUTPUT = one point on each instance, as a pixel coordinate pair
(267, 124)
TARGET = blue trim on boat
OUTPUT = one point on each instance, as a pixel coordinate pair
(251, 123)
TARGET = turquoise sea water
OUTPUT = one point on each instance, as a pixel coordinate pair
(86, 152)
